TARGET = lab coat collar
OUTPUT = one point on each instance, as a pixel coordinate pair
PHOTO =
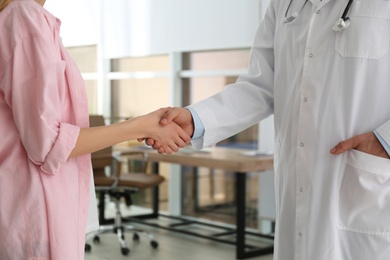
(320, 3)
(316, 3)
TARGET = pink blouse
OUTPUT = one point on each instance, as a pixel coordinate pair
(43, 195)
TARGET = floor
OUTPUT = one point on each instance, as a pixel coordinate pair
(172, 246)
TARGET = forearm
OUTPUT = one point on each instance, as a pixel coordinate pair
(147, 126)
(96, 138)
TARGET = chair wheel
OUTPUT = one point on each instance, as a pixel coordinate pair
(96, 240)
(135, 237)
(154, 244)
(87, 248)
(125, 251)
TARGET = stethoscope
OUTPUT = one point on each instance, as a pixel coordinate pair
(341, 24)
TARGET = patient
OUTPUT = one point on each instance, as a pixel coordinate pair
(45, 165)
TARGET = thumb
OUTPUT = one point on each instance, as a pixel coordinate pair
(169, 116)
(343, 146)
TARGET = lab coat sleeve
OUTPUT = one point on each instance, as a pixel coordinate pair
(383, 134)
(198, 126)
(32, 91)
(249, 100)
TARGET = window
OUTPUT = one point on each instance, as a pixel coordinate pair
(209, 193)
(139, 85)
(207, 73)
(86, 59)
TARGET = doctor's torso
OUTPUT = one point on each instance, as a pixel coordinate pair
(330, 86)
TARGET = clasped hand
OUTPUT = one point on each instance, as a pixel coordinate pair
(166, 137)
(182, 118)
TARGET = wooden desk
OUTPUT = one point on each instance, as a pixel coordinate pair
(225, 159)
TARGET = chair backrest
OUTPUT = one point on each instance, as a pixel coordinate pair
(98, 120)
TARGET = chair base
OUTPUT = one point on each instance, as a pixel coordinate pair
(120, 231)
(119, 228)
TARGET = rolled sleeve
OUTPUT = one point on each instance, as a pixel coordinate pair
(58, 155)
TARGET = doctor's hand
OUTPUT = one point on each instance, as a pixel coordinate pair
(366, 143)
(181, 116)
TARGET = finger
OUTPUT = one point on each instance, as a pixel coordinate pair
(174, 147)
(156, 145)
(164, 110)
(140, 140)
(181, 142)
(186, 138)
(149, 141)
(178, 140)
(168, 150)
(345, 146)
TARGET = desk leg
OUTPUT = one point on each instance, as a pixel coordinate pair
(195, 179)
(101, 207)
(240, 214)
(156, 196)
(241, 253)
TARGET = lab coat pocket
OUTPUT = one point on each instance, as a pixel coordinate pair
(369, 32)
(364, 199)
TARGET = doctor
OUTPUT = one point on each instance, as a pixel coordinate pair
(323, 69)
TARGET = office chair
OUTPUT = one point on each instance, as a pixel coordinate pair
(119, 185)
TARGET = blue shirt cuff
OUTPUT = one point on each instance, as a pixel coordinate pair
(383, 142)
(198, 125)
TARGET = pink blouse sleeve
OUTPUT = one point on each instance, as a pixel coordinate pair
(36, 91)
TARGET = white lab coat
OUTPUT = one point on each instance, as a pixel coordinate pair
(323, 87)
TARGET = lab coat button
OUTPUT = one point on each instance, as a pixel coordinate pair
(305, 99)
(311, 55)
(302, 144)
(318, 11)
(301, 189)
(300, 234)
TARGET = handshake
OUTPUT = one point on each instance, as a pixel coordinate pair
(173, 130)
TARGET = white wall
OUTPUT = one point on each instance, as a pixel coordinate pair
(147, 27)
(79, 19)
(213, 24)
(136, 28)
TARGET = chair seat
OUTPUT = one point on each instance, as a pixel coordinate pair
(135, 180)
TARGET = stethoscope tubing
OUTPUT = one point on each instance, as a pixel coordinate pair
(346, 10)
(341, 24)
